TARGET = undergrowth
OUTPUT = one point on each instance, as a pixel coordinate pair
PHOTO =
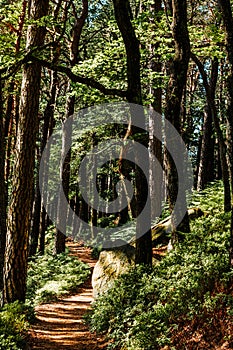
(14, 324)
(50, 277)
(145, 308)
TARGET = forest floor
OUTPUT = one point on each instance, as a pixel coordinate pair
(60, 325)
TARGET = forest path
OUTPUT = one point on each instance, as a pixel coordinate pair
(60, 324)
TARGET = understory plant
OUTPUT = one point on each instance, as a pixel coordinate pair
(50, 277)
(14, 324)
(145, 307)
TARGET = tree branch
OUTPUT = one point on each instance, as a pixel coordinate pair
(9, 71)
(80, 79)
(201, 68)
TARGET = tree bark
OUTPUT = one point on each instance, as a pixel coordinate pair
(60, 237)
(38, 211)
(2, 192)
(177, 81)
(123, 18)
(155, 145)
(206, 167)
(225, 6)
(18, 221)
(210, 95)
(12, 100)
(39, 224)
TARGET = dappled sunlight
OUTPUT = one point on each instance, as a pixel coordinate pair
(60, 324)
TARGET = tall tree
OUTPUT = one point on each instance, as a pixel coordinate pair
(225, 6)
(39, 214)
(206, 166)
(18, 221)
(2, 191)
(38, 222)
(12, 105)
(155, 146)
(210, 87)
(176, 85)
(70, 105)
(123, 17)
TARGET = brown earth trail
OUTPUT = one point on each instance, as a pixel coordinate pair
(60, 324)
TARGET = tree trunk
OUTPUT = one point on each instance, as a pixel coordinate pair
(155, 146)
(206, 167)
(225, 6)
(12, 101)
(177, 82)
(123, 17)
(48, 118)
(2, 192)
(60, 236)
(210, 95)
(39, 216)
(18, 224)
(8, 128)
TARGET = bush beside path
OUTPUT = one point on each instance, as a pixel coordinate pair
(60, 324)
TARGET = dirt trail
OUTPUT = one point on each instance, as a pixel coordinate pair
(60, 324)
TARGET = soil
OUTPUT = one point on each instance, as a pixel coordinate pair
(60, 325)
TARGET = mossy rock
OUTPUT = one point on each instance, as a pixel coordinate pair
(110, 265)
(117, 260)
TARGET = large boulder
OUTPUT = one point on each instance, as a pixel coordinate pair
(115, 261)
(110, 265)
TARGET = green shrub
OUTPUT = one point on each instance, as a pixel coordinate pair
(145, 306)
(14, 323)
(95, 253)
(50, 276)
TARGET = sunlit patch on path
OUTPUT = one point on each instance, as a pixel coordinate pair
(60, 324)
